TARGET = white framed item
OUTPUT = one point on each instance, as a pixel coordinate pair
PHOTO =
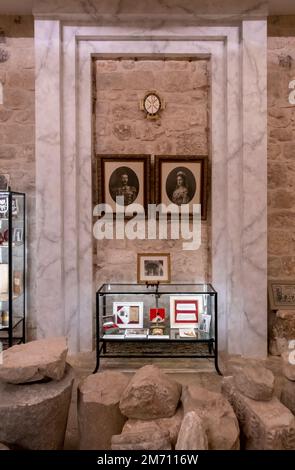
(128, 314)
(185, 311)
(205, 323)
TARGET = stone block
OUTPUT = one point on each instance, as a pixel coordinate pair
(34, 416)
(192, 435)
(288, 150)
(37, 360)
(99, 416)
(216, 413)
(279, 117)
(255, 382)
(122, 131)
(282, 199)
(274, 266)
(150, 394)
(288, 266)
(265, 425)
(288, 367)
(172, 425)
(281, 135)
(148, 437)
(288, 395)
(277, 345)
(274, 151)
(282, 331)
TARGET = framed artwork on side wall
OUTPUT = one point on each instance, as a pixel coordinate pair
(125, 176)
(281, 295)
(182, 180)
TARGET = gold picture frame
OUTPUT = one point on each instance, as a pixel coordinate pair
(153, 268)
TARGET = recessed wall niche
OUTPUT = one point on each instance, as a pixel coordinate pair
(120, 127)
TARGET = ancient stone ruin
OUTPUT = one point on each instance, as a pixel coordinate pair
(35, 390)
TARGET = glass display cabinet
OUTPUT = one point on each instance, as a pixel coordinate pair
(156, 320)
(12, 268)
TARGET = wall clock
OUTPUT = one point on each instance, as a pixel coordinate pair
(152, 104)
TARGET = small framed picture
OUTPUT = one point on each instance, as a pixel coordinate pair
(281, 295)
(126, 177)
(153, 268)
(205, 323)
(157, 315)
(4, 206)
(128, 314)
(17, 235)
(14, 206)
(185, 311)
(181, 180)
(4, 182)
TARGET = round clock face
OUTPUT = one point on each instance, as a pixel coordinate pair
(152, 103)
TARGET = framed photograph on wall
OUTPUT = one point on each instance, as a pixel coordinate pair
(185, 311)
(281, 295)
(128, 314)
(125, 176)
(153, 268)
(205, 323)
(182, 180)
(17, 235)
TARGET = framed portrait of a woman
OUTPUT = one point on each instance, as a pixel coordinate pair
(182, 180)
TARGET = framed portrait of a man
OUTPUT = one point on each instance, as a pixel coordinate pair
(124, 180)
(182, 180)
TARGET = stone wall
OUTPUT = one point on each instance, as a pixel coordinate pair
(281, 149)
(17, 123)
(122, 128)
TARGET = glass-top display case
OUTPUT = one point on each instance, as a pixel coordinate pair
(156, 320)
(12, 268)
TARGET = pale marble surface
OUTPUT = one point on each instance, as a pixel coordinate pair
(254, 236)
(64, 169)
(92, 10)
(49, 174)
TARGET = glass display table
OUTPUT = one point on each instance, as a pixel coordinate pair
(156, 320)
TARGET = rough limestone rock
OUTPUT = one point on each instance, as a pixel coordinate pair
(34, 416)
(148, 437)
(172, 425)
(277, 346)
(288, 395)
(283, 330)
(150, 394)
(288, 367)
(192, 435)
(34, 361)
(265, 425)
(3, 447)
(216, 414)
(99, 416)
(255, 382)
